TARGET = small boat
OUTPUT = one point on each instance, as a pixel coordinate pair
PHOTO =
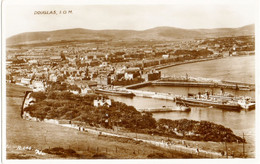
(115, 92)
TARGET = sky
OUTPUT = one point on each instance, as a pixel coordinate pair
(22, 18)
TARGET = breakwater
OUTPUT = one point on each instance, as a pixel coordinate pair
(138, 85)
(202, 84)
(227, 85)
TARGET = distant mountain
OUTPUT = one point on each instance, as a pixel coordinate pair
(158, 33)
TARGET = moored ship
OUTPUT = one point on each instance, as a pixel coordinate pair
(209, 103)
(217, 101)
(115, 92)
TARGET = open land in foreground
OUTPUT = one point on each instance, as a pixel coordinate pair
(41, 136)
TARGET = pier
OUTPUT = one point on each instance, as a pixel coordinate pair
(230, 85)
(138, 85)
(227, 85)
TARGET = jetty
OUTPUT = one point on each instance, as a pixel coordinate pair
(225, 84)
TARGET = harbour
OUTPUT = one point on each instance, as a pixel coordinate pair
(156, 96)
(140, 81)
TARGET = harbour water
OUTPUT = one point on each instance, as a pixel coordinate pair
(241, 69)
(232, 68)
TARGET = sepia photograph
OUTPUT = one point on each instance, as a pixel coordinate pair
(92, 80)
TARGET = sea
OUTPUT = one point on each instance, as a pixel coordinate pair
(240, 69)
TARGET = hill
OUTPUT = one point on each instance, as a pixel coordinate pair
(22, 135)
(158, 33)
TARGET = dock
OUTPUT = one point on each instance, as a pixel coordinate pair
(227, 85)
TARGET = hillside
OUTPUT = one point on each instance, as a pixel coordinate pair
(22, 134)
(158, 33)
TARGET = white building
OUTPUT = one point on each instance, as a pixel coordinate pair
(38, 86)
(165, 56)
(25, 81)
(102, 102)
(53, 78)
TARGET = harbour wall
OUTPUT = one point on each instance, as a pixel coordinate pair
(229, 85)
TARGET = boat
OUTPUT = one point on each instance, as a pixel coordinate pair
(178, 108)
(223, 100)
(115, 92)
(225, 104)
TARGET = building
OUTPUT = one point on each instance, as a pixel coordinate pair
(165, 56)
(103, 79)
(153, 75)
(53, 78)
(25, 81)
(102, 102)
(38, 86)
(225, 53)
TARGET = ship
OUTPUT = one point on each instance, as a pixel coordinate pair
(224, 101)
(201, 102)
(178, 108)
(115, 92)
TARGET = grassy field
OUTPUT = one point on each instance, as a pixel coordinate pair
(40, 135)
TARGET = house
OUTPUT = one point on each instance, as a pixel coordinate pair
(132, 72)
(225, 53)
(53, 78)
(129, 76)
(102, 102)
(153, 75)
(76, 92)
(165, 56)
(25, 81)
(33, 61)
(55, 58)
(103, 80)
(38, 86)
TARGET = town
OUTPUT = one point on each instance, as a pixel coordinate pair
(80, 66)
